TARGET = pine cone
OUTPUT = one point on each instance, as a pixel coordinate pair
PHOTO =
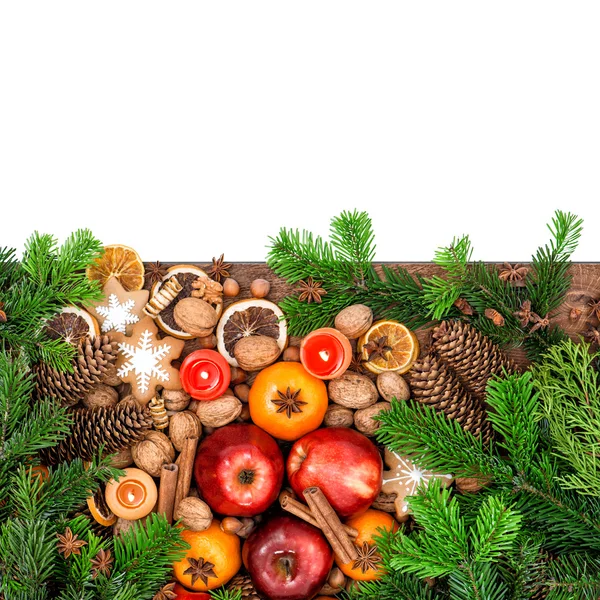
(244, 583)
(89, 366)
(434, 384)
(115, 427)
(470, 354)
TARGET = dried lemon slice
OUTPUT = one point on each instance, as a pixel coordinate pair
(121, 262)
(389, 346)
(73, 325)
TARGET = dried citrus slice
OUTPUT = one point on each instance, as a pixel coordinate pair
(73, 325)
(389, 346)
(186, 275)
(121, 262)
(253, 316)
(99, 509)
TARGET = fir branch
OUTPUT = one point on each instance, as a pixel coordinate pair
(393, 585)
(573, 576)
(225, 594)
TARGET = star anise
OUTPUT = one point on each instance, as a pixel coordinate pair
(368, 558)
(539, 322)
(377, 348)
(102, 563)
(69, 543)
(219, 269)
(288, 402)
(357, 364)
(514, 274)
(166, 592)
(524, 313)
(153, 273)
(592, 335)
(311, 291)
(200, 569)
(594, 305)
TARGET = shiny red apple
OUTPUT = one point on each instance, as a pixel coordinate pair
(183, 594)
(288, 559)
(239, 470)
(345, 464)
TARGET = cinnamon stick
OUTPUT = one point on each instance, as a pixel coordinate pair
(166, 490)
(186, 467)
(302, 511)
(330, 525)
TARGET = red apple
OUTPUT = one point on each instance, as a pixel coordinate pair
(239, 470)
(288, 559)
(345, 464)
(182, 593)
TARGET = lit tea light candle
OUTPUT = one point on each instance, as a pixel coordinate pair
(325, 353)
(133, 496)
(205, 375)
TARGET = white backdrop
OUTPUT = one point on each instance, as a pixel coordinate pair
(189, 129)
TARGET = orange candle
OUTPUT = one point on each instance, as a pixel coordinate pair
(326, 353)
(133, 496)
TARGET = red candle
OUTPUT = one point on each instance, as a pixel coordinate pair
(325, 353)
(205, 375)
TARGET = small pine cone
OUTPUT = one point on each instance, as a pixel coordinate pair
(434, 384)
(114, 427)
(470, 354)
(89, 367)
(245, 585)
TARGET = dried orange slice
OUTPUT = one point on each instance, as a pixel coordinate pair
(99, 509)
(389, 346)
(121, 262)
(73, 325)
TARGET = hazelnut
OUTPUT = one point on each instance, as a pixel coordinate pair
(260, 288)
(194, 513)
(231, 287)
(363, 418)
(154, 451)
(392, 385)
(101, 395)
(292, 354)
(182, 426)
(338, 416)
(238, 375)
(354, 320)
(208, 342)
(245, 414)
(242, 391)
(175, 399)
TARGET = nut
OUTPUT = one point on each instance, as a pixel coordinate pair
(392, 385)
(219, 412)
(208, 342)
(195, 316)
(231, 287)
(101, 395)
(154, 451)
(245, 414)
(184, 425)
(110, 376)
(256, 352)
(363, 418)
(175, 399)
(385, 502)
(471, 485)
(242, 391)
(336, 581)
(121, 525)
(353, 390)
(338, 416)
(242, 526)
(238, 375)
(354, 320)
(260, 288)
(291, 354)
(194, 514)
(122, 459)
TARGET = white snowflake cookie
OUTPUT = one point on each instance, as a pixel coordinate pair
(120, 309)
(144, 361)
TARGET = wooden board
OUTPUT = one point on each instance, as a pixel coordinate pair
(586, 286)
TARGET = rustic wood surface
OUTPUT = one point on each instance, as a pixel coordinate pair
(585, 288)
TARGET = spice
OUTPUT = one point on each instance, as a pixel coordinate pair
(311, 291)
(166, 592)
(69, 543)
(514, 274)
(219, 269)
(288, 402)
(539, 322)
(494, 316)
(200, 569)
(186, 467)
(524, 313)
(368, 558)
(154, 272)
(464, 307)
(102, 563)
(166, 490)
(377, 348)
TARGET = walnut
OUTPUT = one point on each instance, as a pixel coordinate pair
(242, 391)
(363, 418)
(194, 514)
(183, 425)
(195, 316)
(256, 352)
(122, 459)
(209, 290)
(338, 416)
(353, 390)
(354, 320)
(175, 399)
(219, 412)
(392, 385)
(154, 451)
